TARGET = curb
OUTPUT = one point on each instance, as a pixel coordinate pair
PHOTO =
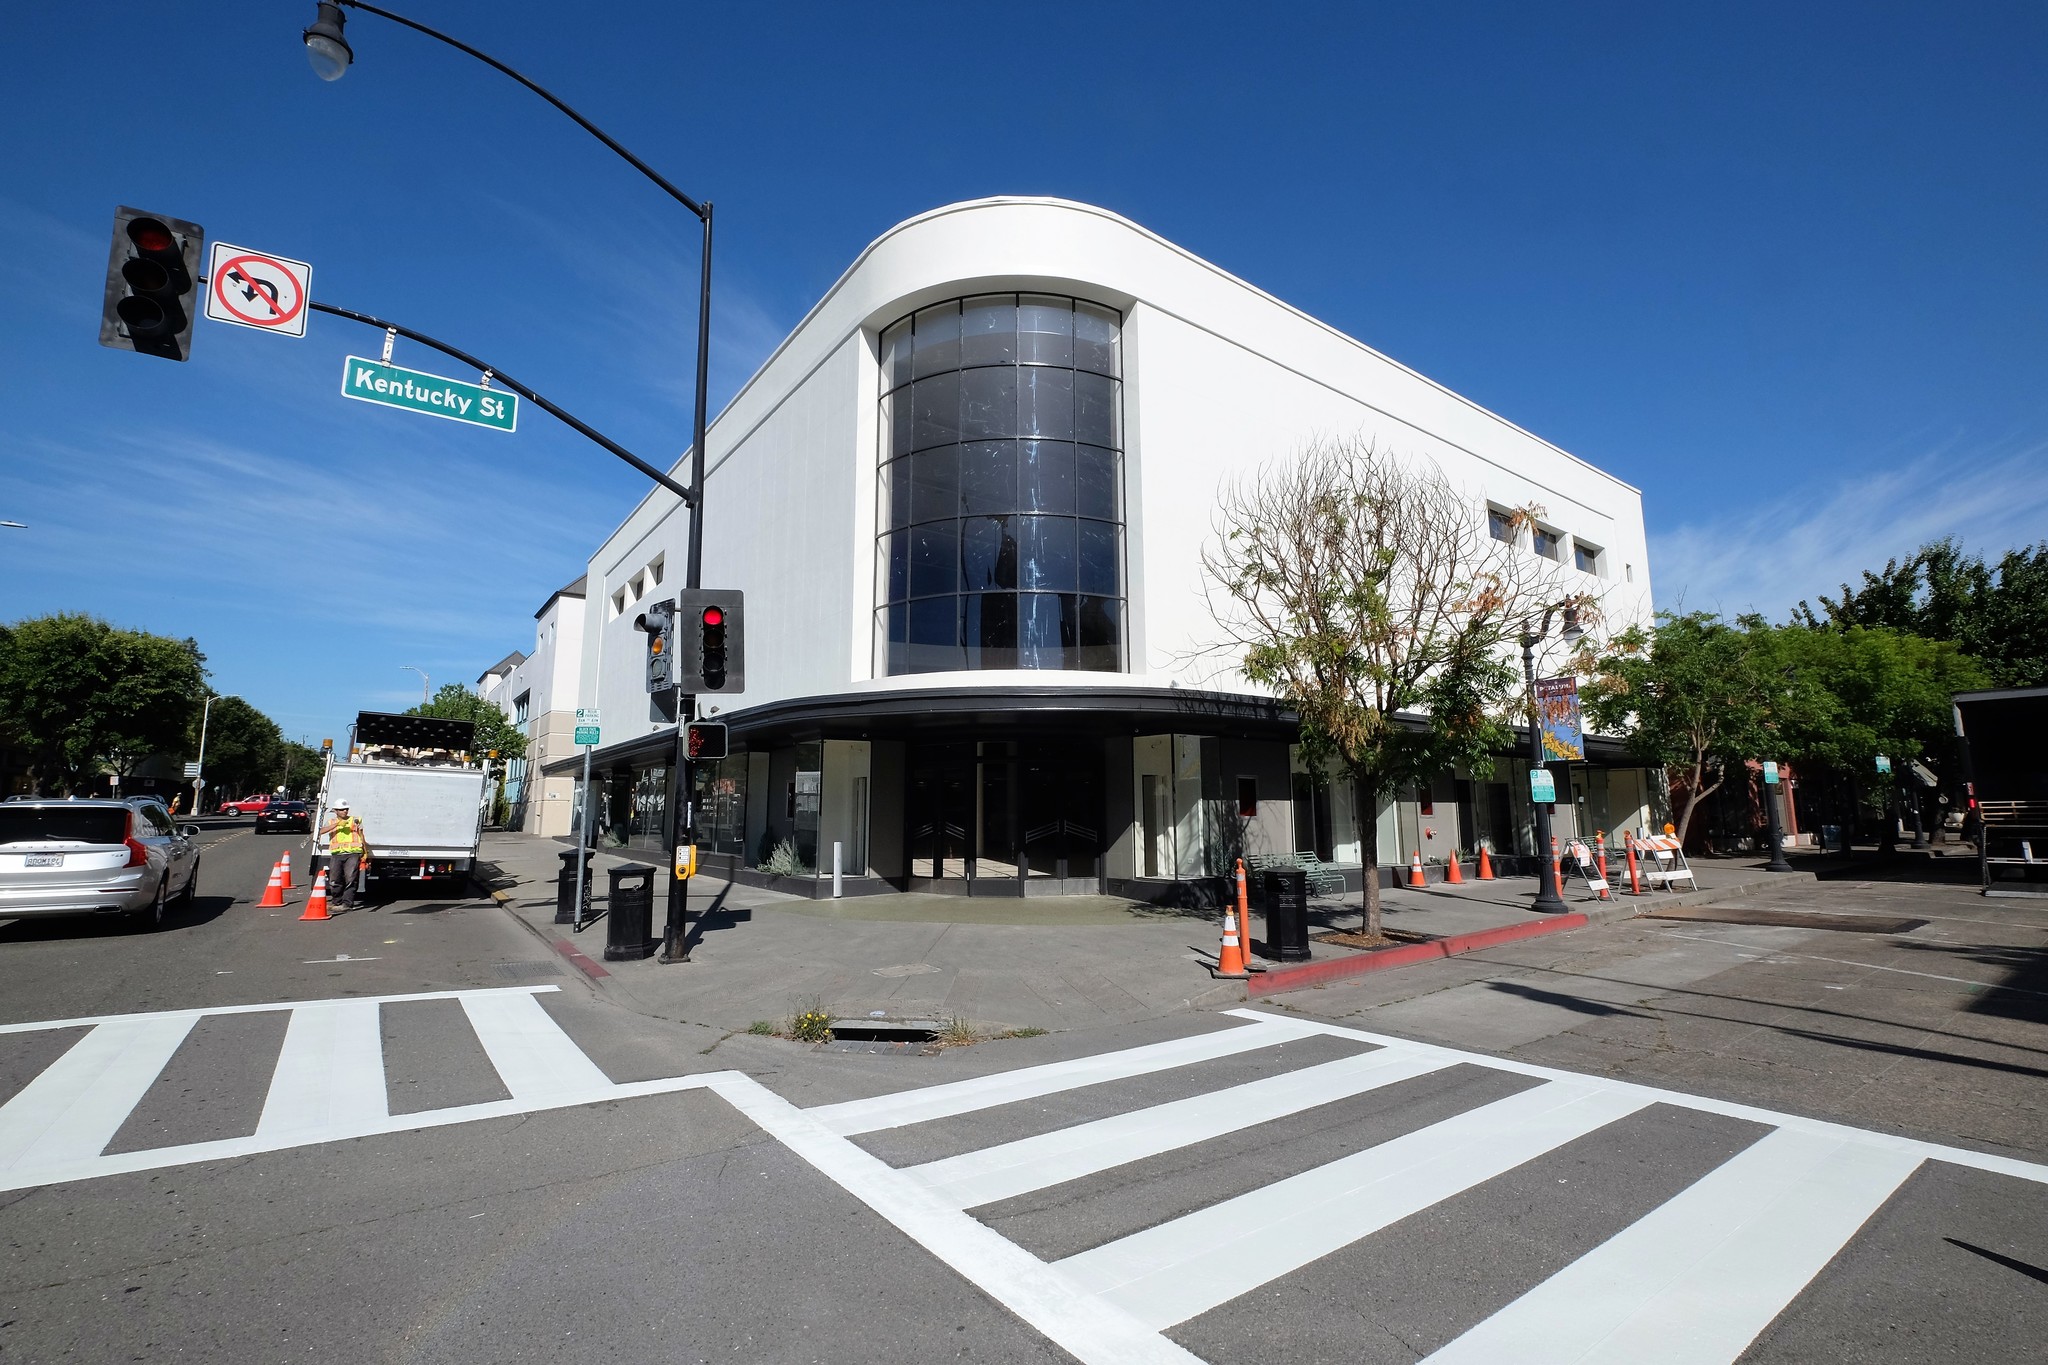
(560, 945)
(1275, 980)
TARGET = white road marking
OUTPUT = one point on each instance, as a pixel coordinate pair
(535, 1059)
(982, 1177)
(961, 1097)
(1177, 1270)
(329, 1075)
(272, 1008)
(81, 1100)
(1695, 1281)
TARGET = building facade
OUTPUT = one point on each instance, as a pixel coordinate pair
(537, 692)
(966, 500)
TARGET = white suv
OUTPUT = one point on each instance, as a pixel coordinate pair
(95, 857)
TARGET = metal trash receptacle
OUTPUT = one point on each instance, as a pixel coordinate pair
(1287, 914)
(629, 919)
(565, 888)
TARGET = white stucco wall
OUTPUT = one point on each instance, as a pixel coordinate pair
(1218, 374)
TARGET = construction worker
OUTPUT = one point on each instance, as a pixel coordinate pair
(348, 855)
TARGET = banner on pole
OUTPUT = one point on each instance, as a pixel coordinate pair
(1557, 716)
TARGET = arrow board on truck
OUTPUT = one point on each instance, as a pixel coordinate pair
(255, 289)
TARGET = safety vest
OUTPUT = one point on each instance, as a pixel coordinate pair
(347, 837)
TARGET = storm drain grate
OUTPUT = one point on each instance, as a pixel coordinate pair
(526, 971)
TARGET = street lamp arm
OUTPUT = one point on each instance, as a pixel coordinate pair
(498, 375)
(701, 210)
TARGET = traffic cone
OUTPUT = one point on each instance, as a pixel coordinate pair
(1231, 960)
(1485, 865)
(1635, 877)
(273, 892)
(316, 904)
(285, 863)
(1600, 859)
(1453, 876)
(1556, 865)
(1415, 877)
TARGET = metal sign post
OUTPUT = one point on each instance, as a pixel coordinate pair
(583, 819)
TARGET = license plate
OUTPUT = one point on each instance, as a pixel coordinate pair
(44, 860)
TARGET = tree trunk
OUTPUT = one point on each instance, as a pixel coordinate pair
(1696, 791)
(1366, 800)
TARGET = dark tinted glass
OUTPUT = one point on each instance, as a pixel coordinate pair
(988, 402)
(896, 566)
(1045, 331)
(1095, 410)
(988, 477)
(934, 484)
(934, 558)
(896, 424)
(895, 491)
(988, 553)
(988, 330)
(1098, 555)
(895, 355)
(1045, 403)
(936, 411)
(24, 824)
(1095, 343)
(1044, 630)
(1101, 648)
(1046, 482)
(991, 630)
(934, 635)
(935, 340)
(896, 633)
(1095, 481)
(1046, 554)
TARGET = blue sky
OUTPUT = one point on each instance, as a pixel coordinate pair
(1780, 265)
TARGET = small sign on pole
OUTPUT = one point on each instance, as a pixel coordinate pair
(586, 734)
(1884, 765)
(255, 289)
(191, 770)
(1770, 773)
(586, 715)
(1542, 789)
(394, 386)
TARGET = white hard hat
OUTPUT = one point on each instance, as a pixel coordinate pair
(341, 804)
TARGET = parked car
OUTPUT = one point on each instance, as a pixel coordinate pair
(100, 857)
(282, 817)
(248, 805)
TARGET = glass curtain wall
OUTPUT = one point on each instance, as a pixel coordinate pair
(1001, 497)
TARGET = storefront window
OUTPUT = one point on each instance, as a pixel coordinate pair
(1001, 537)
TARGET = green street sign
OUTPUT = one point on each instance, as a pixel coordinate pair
(1542, 789)
(394, 386)
(586, 734)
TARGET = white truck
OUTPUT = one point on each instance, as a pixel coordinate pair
(419, 793)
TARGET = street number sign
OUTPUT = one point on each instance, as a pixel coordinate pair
(394, 386)
(586, 734)
(1770, 773)
(586, 715)
(256, 289)
(1542, 789)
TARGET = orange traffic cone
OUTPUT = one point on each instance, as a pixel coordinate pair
(316, 904)
(1635, 876)
(1600, 859)
(1556, 865)
(286, 864)
(1415, 877)
(1452, 875)
(273, 892)
(1231, 960)
(1485, 865)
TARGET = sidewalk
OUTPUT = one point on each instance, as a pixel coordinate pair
(998, 963)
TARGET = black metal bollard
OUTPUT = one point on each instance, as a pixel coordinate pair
(629, 921)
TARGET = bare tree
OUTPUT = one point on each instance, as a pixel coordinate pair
(1369, 593)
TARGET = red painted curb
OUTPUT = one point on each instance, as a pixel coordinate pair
(1278, 979)
(575, 955)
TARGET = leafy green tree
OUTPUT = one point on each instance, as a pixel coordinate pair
(1366, 593)
(453, 701)
(79, 694)
(1997, 613)
(1696, 695)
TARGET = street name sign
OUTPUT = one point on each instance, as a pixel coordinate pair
(374, 381)
(256, 289)
(586, 734)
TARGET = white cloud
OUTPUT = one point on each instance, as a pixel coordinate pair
(1767, 555)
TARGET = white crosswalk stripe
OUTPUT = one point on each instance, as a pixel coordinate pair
(327, 1085)
(1694, 1281)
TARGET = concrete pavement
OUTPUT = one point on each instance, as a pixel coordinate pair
(997, 963)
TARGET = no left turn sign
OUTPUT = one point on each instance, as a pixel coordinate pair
(254, 289)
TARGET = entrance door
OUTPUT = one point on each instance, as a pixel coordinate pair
(940, 808)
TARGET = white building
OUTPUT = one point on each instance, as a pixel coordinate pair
(965, 500)
(537, 693)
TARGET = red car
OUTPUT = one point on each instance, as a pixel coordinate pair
(248, 805)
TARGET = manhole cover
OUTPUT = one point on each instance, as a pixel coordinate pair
(526, 971)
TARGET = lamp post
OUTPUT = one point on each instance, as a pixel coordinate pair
(199, 780)
(331, 56)
(1548, 901)
(424, 680)
(1772, 829)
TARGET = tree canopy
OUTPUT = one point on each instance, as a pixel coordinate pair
(1365, 591)
(1997, 613)
(79, 694)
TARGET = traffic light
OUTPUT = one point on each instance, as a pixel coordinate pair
(708, 740)
(714, 657)
(659, 621)
(152, 284)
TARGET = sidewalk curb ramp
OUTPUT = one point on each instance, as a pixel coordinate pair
(1277, 980)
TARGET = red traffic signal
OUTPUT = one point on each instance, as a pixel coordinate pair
(152, 289)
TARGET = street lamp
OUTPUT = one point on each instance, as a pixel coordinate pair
(331, 57)
(423, 679)
(199, 778)
(1548, 901)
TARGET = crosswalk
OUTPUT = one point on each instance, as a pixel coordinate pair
(1694, 1279)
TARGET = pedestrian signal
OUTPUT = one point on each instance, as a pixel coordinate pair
(708, 740)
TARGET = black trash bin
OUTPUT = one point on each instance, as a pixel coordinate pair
(629, 921)
(565, 889)
(1287, 914)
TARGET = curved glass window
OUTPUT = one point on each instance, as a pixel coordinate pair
(1001, 542)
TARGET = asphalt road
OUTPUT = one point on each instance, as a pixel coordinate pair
(529, 1172)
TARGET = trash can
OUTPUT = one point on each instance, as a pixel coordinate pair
(565, 889)
(629, 922)
(1287, 914)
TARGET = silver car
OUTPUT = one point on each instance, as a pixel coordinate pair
(95, 857)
